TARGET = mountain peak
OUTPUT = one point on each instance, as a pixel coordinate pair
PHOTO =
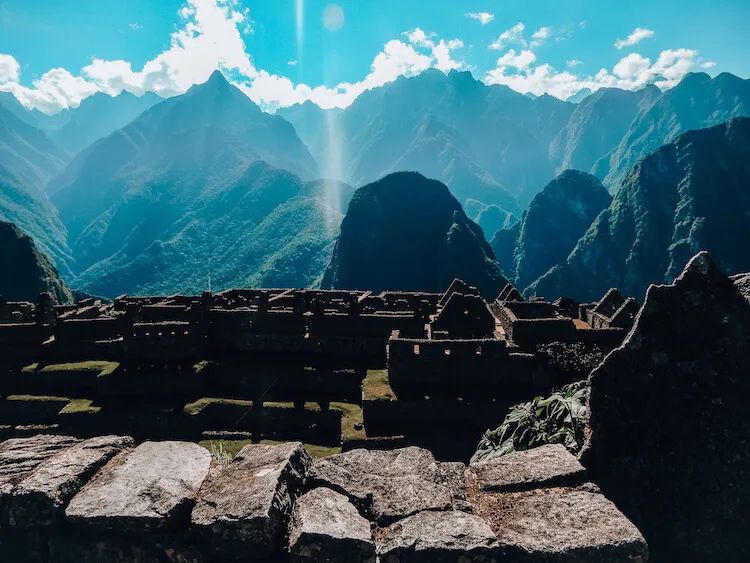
(216, 79)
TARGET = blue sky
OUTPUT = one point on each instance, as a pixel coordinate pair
(54, 53)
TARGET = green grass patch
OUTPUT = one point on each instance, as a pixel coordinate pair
(224, 450)
(78, 406)
(36, 398)
(99, 367)
(376, 387)
(197, 406)
(352, 425)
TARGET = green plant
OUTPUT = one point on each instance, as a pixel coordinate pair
(558, 419)
(220, 454)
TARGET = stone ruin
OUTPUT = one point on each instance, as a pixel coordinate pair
(668, 442)
(65, 500)
(339, 369)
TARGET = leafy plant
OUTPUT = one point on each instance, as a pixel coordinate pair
(558, 419)
(220, 455)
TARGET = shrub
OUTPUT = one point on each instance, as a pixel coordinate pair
(558, 419)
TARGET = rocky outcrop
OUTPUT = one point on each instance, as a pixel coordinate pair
(405, 232)
(327, 527)
(24, 271)
(386, 485)
(245, 508)
(688, 196)
(267, 505)
(670, 421)
(150, 488)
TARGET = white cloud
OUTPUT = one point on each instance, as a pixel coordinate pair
(292, 62)
(420, 38)
(630, 73)
(512, 35)
(56, 89)
(482, 17)
(573, 63)
(135, 26)
(10, 70)
(638, 35)
(520, 61)
(540, 36)
(442, 54)
(708, 64)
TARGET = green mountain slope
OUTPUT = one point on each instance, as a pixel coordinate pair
(690, 195)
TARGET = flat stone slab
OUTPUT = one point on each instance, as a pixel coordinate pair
(326, 527)
(20, 456)
(243, 510)
(439, 537)
(386, 485)
(546, 466)
(39, 499)
(560, 525)
(151, 487)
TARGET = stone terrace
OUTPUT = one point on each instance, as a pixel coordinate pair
(336, 369)
(66, 500)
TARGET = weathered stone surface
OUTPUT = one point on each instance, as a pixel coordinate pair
(546, 466)
(386, 485)
(561, 525)
(40, 498)
(152, 487)
(243, 511)
(438, 537)
(452, 474)
(670, 419)
(742, 282)
(327, 527)
(20, 456)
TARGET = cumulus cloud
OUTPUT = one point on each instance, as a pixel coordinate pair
(210, 37)
(10, 70)
(573, 63)
(638, 35)
(512, 35)
(482, 17)
(630, 73)
(540, 36)
(522, 60)
(708, 64)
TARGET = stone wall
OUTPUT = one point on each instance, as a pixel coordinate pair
(64, 500)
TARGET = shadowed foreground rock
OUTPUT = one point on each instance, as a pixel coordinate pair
(327, 527)
(670, 419)
(267, 505)
(243, 511)
(152, 487)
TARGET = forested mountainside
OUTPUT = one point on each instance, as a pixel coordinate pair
(266, 229)
(550, 227)
(406, 232)
(690, 195)
(24, 271)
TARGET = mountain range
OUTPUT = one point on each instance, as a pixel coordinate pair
(143, 195)
(692, 194)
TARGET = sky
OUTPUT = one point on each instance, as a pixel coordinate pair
(55, 53)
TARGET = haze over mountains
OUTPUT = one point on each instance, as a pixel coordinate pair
(144, 195)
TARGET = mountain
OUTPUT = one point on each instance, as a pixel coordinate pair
(268, 229)
(487, 143)
(30, 209)
(690, 195)
(99, 115)
(405, 232)
(697, 102)
(24, 271)
(579, 96)
(131, 189)
(597, 126)
(27, 152)
(551, 226)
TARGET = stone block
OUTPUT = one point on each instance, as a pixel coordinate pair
(152, 487)
(20, 456)
(40, 498)
(326, 527)
(546, 466)
(243, 510)
(386, 485)
(439, 537)
(560, 524)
